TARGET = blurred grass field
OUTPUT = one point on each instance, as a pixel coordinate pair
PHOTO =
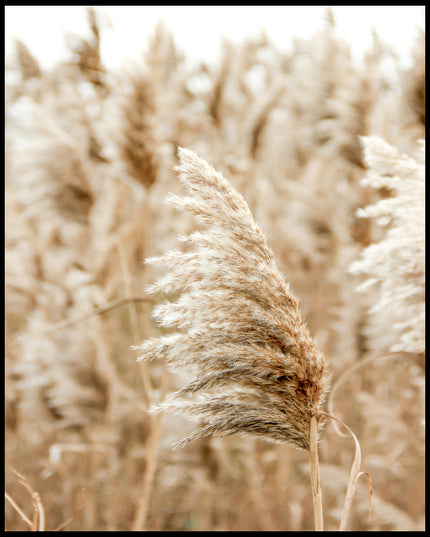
(90, 156)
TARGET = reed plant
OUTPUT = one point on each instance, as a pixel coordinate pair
(90, 155)
(254, 367)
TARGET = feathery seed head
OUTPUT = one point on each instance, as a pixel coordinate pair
(239, 329)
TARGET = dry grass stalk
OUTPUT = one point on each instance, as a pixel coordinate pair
(28, 64)
(18, 509)
(218, 89)
(315, 476)
(87, 52)
(140, 520)
(355, 474)
(97, 311)
(162, 57)
(262, 120)
(415, 90)
(38, 522)
(257, 370)
(138, 144)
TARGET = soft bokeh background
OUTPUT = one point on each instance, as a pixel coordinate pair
(198, 30)
(97, 101)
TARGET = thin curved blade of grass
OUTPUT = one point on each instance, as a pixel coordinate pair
(353, 477)
(18, 509)
(71, 519)
(369, 490)
(348, 371)
(39, 513)
(38, 523)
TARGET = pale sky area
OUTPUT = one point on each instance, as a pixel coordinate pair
(197, 30)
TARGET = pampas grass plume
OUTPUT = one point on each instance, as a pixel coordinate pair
(239, 331)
